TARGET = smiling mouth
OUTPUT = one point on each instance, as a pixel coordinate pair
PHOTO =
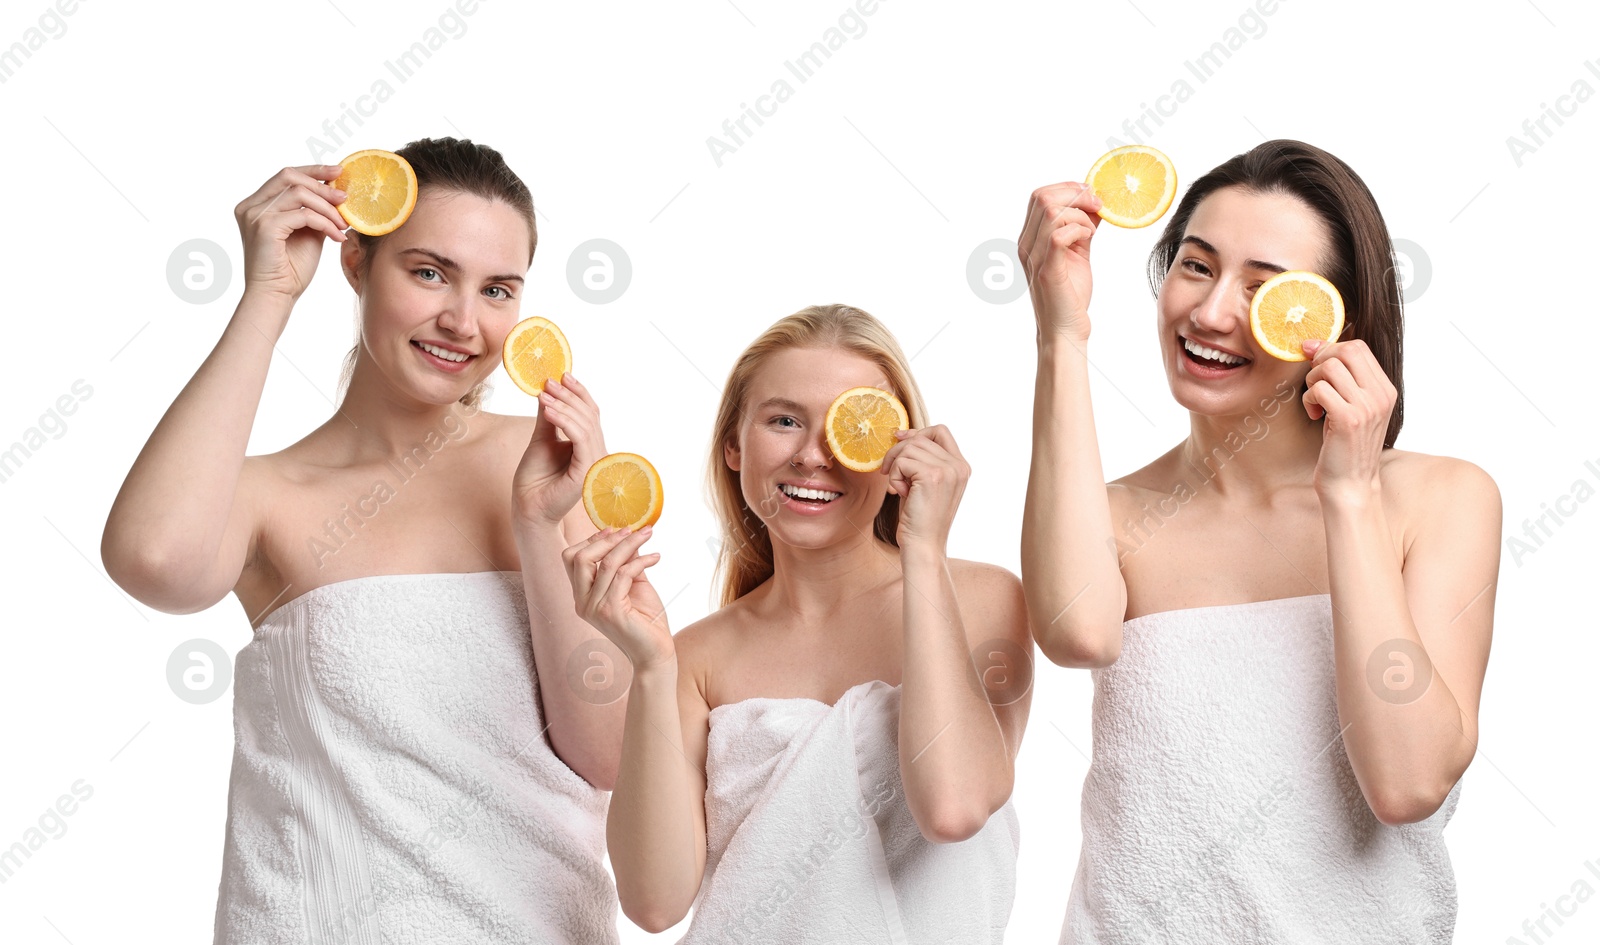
(1210, 357)
(443, 354)
(808, 496)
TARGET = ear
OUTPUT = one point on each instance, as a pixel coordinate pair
(730, 454)
(350, 253)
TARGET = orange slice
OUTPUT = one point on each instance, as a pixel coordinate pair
(1135, 185)
(622, 490)
(1292, 307)
(535, 351)
(861, 424)
(380, 191)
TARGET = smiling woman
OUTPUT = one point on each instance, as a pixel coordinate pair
(411, 667)
(1251, 740)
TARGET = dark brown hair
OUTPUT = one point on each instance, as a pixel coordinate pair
(1362, 265)
(459, 166)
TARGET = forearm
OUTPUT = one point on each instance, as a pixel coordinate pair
(173, 508)
(954, 763)
(657, 853)
(1404, 730)
(584, 696)
(1070, 574)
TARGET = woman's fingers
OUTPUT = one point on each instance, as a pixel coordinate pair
(608, 556)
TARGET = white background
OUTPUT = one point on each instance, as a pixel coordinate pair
(140, 127)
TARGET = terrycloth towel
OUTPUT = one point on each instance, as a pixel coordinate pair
(391, 780)
(809, 839)
(1220, 805)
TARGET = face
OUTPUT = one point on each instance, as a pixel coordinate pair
(441, 293)
(1235, 241)
(781, 447)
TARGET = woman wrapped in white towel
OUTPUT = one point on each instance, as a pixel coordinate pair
(1288, 619)
(820, 760)
(410, 762)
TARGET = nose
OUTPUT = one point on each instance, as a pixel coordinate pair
(815, 452)
(459, 315)
(1222, 308)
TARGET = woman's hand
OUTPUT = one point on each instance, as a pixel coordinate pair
(549, 480)
(283, 225)
(1347, 387)
(610, 591)
(1054, 251)
(928, 473)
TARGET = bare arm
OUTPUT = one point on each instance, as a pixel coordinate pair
(1070, 574)
(1411, 637)
(1411, 640)
(182, 528)
(960, 732)
(656, 829)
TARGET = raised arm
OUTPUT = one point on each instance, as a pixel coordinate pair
(1411, 632)
(183, 525)
(958, 737)
(656, 829)
(1075, 592)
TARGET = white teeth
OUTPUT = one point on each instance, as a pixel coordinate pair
(799, 493)
(1211, 354)
(443, 352)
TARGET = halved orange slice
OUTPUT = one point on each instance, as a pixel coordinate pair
(535, 351)
(622, 490)
(860, 427)
(1292, 307)
(380, 191)
(1135, 185)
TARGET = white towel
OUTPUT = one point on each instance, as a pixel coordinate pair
(1220, 805)
(391, 781)
(809, 838)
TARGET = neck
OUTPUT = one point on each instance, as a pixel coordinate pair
(812, 584)
(378, 423)
(1252, 456)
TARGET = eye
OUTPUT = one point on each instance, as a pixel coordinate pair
(424, 272)
(504, 292)
(780, 419)
(1195, 266)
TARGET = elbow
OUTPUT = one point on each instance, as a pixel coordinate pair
(1080, 651)
(1405, 804)
(652, 917)
(953, 822)
(151, 579)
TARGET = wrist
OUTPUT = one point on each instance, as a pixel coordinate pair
(918, 552)
(1058, 346)
(1351, 497)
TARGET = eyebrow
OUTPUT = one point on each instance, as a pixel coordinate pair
(783, 402)
(1250, 263)
(445, 262)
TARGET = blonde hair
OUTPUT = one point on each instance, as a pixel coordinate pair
(744, 559)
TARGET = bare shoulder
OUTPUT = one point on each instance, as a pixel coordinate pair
(1425, 483)
(992, 593)
(696, 642)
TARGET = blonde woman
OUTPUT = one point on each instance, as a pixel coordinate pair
(410, 763)
(818, 760)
